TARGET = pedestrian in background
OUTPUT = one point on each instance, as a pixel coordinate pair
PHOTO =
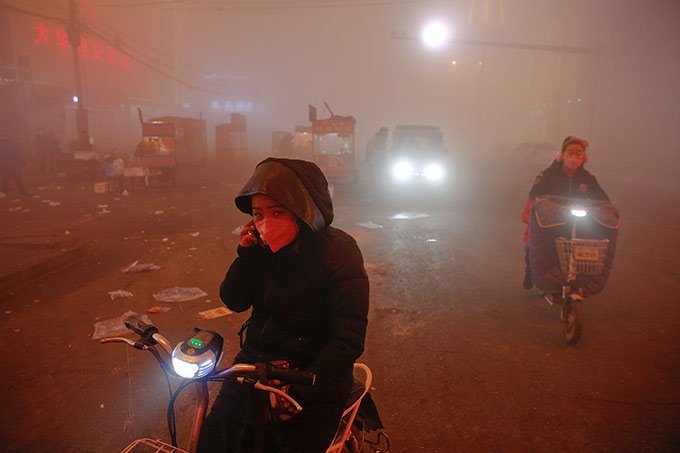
(11, 165)
(376, 155)
(46, 148)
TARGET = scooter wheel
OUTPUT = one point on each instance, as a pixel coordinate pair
(572, 321)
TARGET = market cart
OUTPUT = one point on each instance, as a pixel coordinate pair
(231, 142)
(156, 152)
(333, 148)
(303, 142)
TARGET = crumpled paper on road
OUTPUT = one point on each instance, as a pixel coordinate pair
(215, 313)
(116, 326)
(179, 294)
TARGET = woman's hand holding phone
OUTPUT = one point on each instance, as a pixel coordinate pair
(248, 235)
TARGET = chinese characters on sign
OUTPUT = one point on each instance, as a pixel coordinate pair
(89, 49)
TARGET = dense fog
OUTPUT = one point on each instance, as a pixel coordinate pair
(526, 73)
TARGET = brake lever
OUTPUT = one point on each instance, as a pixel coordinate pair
(260, 386)
(134, 344)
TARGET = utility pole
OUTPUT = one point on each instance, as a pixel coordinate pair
(74, 33)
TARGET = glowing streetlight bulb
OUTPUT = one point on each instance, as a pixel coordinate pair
(434, 34)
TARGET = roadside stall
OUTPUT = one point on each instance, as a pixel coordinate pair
(190, 141)
(333, 148)
(303, 142)
(156, 152)
(81, 161)
(231, 140)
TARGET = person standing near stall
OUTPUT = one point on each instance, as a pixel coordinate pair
(376, 155)
(12, 162)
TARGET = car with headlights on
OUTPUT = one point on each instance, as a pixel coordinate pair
(417, 162)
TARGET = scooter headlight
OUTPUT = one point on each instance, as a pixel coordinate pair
(185, 369)
(198, 356)
(402, 170)
(579, 212)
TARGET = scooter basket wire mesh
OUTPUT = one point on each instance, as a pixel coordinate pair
(588, 255)
(151, 446)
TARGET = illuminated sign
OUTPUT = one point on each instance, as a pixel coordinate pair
(336, 124)
(89, 49)
(158, 129)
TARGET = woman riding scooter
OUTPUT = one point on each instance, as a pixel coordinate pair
(306, 284)
(566, 177)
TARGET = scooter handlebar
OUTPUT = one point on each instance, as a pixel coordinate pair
(140, 327)
(291, 376)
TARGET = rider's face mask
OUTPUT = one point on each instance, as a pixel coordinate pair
(277, 232)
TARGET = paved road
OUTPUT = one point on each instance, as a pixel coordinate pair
(463, 358)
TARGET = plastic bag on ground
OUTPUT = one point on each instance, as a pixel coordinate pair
(116, 326)
(120, 293)
(143, 267)
(179, 294)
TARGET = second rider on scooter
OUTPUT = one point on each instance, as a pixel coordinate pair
(306, 284)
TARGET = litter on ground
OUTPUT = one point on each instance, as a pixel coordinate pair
(215, 313)
(179, 294)
(370, 225)
(137, 267)
(409, 215)
(116, 326)
(120, 293)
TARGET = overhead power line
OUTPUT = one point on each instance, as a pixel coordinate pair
(133, 53)
(251, 5)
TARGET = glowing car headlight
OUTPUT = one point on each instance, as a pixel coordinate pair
(402, 170)
(578, 212)
(434, 172)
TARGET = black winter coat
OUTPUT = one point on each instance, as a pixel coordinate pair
(555, 181)
(310, 307)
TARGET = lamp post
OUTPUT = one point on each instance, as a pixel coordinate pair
(83, 129)
(435, 35)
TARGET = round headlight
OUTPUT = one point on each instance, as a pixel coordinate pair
(402, 170)
(434, 172)
(579, 212)
(198, 356)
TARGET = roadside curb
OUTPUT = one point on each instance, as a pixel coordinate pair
(25, 260)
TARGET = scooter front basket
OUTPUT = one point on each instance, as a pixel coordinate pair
(586, 255)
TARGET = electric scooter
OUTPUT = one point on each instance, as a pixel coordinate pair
(585, 256)
(195, 359)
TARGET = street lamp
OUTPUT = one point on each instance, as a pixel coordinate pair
(434, 35)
